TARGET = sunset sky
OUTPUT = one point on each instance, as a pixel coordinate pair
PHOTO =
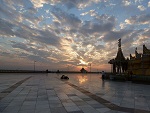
(69, 34)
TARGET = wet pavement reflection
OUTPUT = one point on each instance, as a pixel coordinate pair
(82, 93)
(125, 94)
(93, 82)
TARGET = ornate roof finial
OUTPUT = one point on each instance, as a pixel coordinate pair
(119, 43)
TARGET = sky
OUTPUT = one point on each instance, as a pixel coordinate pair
(70, 34)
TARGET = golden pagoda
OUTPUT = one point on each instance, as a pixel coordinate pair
(140, 63)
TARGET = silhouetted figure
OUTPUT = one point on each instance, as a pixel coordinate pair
(103, 75)
(64, 77)
(57, 72)
(47, 72)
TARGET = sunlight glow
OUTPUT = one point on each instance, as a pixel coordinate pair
(82, 79)
(83, 62)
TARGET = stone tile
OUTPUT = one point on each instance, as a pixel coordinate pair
(11, 109)
(42, 98)
(72, 108)
(26, 111)
(52, 105)
(2, 108)
(68, 104)
(42, 106)
(92, 102)
(128, 105)
(111, 111)
(75, 98)
(42, 102)
(142, 107)
(58, 110)
(76, 112)
(97, 106)
(88, 110)
(103, 110)
(29, 103)
(87, 99)
(27, 107)
(53, 98)
(66, 100)
(71, 95)
(42, 111)
(54, 101)
(121, 112)
(31, 99)
(80, 103)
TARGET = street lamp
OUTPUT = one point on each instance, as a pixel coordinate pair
(90, 66)
(34, 65)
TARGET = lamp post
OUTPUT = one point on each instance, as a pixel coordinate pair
(34, 65)
(90, 66)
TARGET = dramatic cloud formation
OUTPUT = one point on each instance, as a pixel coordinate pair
(68, 3)
(69, 34)
(141, 19)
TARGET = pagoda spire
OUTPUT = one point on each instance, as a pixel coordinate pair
(119, 43)
(119, 64)
(120, 55)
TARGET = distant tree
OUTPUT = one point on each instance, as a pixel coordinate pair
(47, 71)
(58, 71)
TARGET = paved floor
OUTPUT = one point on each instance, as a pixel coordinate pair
(82, 93)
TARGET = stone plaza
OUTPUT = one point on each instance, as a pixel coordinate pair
(82, 93)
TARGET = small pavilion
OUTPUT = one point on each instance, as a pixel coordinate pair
(119, 64)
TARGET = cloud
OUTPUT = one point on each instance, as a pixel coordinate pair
(40, 3)
(138, 1)
(149, 4)
(91, 13)
(68, 3)
(122, 25)
(6, 28)
(47, 37)
(85, 13)
(14, 2)
(100, 24)
(115, 35)
(65, 19)
(21, 16)
(141, 8)
(88, 29)
(12, 11)
(126, 2)
(104, 18)
(141, 19)
(146, 33)
(20, 30)
(35, 52)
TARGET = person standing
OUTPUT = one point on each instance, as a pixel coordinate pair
(103, 75)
